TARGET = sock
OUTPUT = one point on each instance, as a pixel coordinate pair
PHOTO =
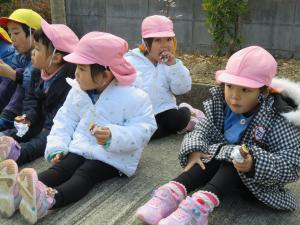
(180, 187)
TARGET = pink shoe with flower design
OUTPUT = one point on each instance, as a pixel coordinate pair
(193, 210)
(163, 202)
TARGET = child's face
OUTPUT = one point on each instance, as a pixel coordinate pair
(241, 99)
(40, 56)
(160, 45)
(84, 78)
(18, 37)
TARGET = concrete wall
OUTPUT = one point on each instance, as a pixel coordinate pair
(273, 24)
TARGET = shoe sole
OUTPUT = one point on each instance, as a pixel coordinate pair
(3, 152)
(28, 207)
(7, 183)
(141, 218)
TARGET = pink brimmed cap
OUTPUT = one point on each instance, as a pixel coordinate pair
(107, 50)
(61, 36)
(251, 67)
(157, 26)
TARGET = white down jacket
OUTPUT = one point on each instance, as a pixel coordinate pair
(125, 110)
(161, 82)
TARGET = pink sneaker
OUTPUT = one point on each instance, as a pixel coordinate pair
(192, 211)
(9, 148)
(196, 116)
(164, 201)
(9, 190)
(36, 200)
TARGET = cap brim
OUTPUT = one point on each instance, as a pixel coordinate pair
(75, 58)
(223, 77)
(5, 39)
(160, 34)
(3, 21)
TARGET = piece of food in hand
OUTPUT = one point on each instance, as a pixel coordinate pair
(244, 151)
(239, 153)
(19, 118)
(163, 57)
(92, 126)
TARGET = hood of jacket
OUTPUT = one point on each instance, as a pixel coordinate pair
(291, 90)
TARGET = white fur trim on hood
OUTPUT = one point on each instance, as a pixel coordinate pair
(292, 90)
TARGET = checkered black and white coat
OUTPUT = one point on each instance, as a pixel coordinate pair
(273, 140)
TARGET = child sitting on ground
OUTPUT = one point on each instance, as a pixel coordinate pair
(47, 93)
(242, 112)
(99, 133)
(162, 76)
(21, 25)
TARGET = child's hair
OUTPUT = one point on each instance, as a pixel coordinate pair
(147, 43)
(96, 69)
(264, 90)
(26, 29)
(39, 36)
(156, 26)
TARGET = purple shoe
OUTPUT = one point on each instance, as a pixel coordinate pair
(9, 148)
(164, 201)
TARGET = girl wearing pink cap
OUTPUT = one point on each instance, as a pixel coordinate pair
(47, 92)
(248, 142)
(99, 132)
(162, 76)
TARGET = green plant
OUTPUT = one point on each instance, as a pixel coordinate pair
(223, 22)
(40, 6)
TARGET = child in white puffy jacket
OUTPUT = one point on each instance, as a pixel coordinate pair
(99, 133)
(163, 76)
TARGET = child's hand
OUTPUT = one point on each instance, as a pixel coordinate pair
(167, 58)
(56, 158)
(102, 134)
(196, 157)
(6, 70)
(244, 167)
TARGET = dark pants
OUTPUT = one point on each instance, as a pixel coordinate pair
(171, 121)
(74, 176)
(219, 177)
(11, 96)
